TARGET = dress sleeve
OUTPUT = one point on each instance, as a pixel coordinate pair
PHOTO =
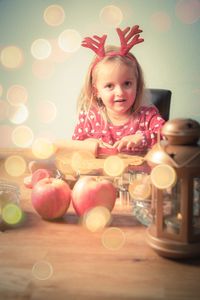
(82, 128)
(151, 123)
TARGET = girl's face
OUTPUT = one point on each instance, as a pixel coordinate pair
(116, 85)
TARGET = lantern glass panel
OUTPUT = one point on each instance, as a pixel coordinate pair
(172, 218)
(196, 205)
(122, 183)
(141, 197)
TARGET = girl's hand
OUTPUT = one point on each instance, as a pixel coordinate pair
(129, 142)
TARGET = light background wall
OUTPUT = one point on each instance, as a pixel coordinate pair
(44, 91)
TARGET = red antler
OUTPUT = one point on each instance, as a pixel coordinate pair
(96, 44)
(133, 38)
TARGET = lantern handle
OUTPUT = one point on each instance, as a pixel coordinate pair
(180, 165)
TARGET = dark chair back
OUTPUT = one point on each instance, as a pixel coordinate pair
(161, 99)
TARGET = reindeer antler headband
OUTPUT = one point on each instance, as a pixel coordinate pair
(129, 37)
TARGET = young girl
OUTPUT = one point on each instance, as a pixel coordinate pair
(110, 110)
(110, 104)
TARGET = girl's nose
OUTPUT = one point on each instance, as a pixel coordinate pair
(119, 90)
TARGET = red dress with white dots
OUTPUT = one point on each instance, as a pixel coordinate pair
(146, 121)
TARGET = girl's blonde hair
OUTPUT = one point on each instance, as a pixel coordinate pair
(88, 98)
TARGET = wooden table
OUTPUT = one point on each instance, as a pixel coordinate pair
(63, 260)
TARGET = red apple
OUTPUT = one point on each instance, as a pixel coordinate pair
(51, 198)
(88, 192)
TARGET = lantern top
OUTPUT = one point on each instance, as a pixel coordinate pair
(180, 148)
(181, 131)
(177, 156)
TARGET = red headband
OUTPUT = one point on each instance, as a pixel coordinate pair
(97, 43)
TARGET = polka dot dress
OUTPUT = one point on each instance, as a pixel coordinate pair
(146, 121)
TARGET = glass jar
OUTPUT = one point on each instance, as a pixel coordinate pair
(9, 193)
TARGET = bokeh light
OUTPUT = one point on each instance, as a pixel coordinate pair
(12, 57)
(163, 176)
(69, 40)
(17, 94)
(161, 21)
(15, 165)
(46, 111)
(113, 238)
(188, 11)
(43, 148)
(82, 161)
(54, 15)
(22, 136)
(18, 114)
(42, 270)
(57, 54)
(97, 218)
(41, 49)
(111, 15)
(12, 214)
(113, 166)
(4, 110)
(43, 69)
(47, 134)
(5, 134)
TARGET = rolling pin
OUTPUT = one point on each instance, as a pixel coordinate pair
(72, 145)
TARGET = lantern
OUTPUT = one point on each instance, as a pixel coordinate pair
(175, 179)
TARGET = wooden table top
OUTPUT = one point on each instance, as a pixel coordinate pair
(63, 260)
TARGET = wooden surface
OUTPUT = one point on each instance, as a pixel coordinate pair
(81, 266)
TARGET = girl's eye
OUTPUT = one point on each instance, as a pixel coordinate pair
(109, 86)
(127, 83)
